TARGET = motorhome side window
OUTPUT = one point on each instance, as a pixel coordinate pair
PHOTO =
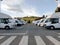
(1, 21)
(54, 20)
(4, 21)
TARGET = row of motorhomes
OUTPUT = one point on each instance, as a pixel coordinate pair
(50, 22)
(8, 22)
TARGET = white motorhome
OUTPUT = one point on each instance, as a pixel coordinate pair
(52, 21)
(5, 22)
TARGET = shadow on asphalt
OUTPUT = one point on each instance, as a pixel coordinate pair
(53, 29)
(11, 28)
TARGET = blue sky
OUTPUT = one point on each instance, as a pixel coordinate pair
(42, 6)
(21, 8)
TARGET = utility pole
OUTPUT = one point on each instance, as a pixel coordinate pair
(0, 4)
(58, 3)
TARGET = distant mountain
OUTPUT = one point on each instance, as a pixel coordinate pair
(31, 18)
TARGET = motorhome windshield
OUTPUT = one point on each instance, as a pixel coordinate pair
(47, 20)
(41, 21)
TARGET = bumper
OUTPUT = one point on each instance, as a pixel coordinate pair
(13, 26)
(19, 24)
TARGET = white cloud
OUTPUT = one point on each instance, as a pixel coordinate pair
(30, 12)
(12, 4)
(4, 7)
(48, 13)
(26, 12)
(13, 8)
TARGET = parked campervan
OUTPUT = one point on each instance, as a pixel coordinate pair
(5, 21)
(18, 22)
(52, 21)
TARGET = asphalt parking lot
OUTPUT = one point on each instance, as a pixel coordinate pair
(29, 34)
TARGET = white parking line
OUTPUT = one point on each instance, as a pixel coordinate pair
(12, 33)
(39, 40)
(8, 41)
(53, 40)
(2, 37)
(59, 33)
(24, 41)
(58, 36)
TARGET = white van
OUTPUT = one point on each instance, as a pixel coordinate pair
(36, 22)
(40, 22)
(6, 23)
(23, 22)
(17, 22)
(52, 21)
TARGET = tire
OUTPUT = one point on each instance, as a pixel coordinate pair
(52, 27)
(7, 27)
(44, 25)
(36, 24)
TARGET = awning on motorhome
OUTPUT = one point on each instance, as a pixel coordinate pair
(2, 15)
(57, 9)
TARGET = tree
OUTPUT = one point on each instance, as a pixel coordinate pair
(43, 16)
(46, 16)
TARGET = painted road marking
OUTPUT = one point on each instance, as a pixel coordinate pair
(39, 40)
(24, 41)
(53, 40)
(58, 36)
(12, 33)
(59, 33)
(9, 40)
(2, 37)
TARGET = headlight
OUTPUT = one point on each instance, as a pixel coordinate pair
(44, 25)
